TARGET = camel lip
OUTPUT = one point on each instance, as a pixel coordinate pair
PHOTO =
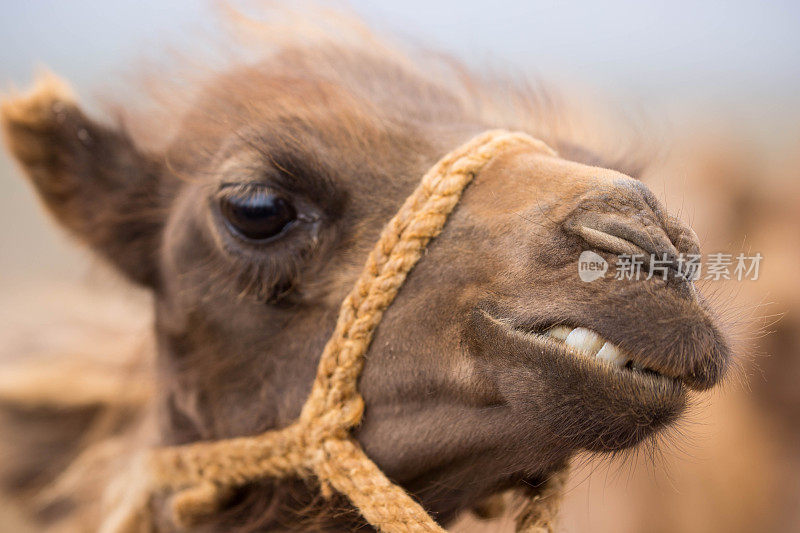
(583, 403)
(627, 362)
(629, 374)
(629, 370)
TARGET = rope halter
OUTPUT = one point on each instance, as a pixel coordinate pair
(202, 475)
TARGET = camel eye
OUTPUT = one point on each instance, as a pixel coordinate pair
(257, 214)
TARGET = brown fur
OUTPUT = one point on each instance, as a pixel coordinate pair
(459, 406)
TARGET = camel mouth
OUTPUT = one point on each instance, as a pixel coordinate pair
(596, 355)
(591, 346)
(588, 349)
(587, 391)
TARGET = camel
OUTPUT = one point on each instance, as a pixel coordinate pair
(495, 364)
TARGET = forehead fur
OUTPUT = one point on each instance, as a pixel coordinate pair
(282, 101)
(302, 68)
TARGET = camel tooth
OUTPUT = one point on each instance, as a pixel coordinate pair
(584, 340)
(612, 355)
(559, 332)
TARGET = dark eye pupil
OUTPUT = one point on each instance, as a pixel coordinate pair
(258, 214)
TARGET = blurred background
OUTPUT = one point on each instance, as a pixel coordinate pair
(715, 85)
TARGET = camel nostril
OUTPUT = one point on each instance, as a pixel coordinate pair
(628, 219)
(665, 248)
(614, 233)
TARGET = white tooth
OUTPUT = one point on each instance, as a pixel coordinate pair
(611, 354)
(584, 340)
(559, 332)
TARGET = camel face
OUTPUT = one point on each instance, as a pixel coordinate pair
(496, 362)
(496, 297)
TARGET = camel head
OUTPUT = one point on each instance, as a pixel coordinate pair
(495, 364)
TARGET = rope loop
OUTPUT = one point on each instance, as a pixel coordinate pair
(203, 475)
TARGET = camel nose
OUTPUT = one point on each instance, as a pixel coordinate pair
(628, 220)
(625, 218)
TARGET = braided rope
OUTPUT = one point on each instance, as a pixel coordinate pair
(319, 442)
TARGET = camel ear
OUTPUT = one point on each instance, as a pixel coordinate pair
(91, 177)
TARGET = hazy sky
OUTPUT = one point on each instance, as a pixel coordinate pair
(698, 50)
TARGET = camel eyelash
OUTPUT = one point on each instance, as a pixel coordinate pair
(267, 268)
